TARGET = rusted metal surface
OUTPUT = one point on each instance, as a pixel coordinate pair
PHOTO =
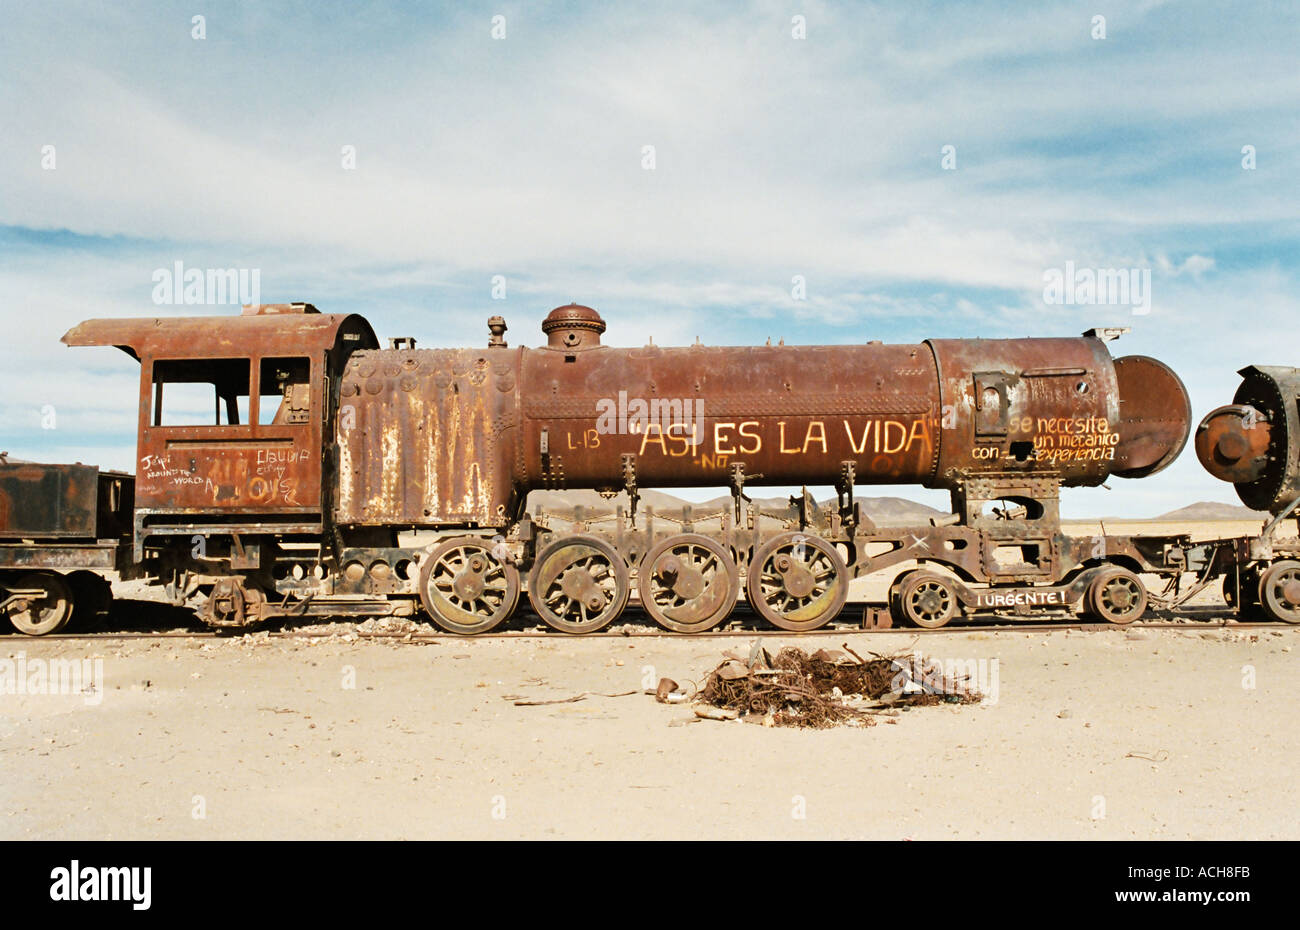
(876, 617)
(1155, 414)
(573, 326)
(111, 555)
(931, 600)
(579, 584)
(273, 329)
(58, 523)
(468, 588)
(797, 582)
(1279, 590)
(930, 414)
(233, 603)
(687, 415)
(689, 583)
(269, 368)
(1233, 442)
(426, 438)
(1255, 442)
(40, 501)
(1116, 595)
(37, 604)
(1026, 407)
(927, 599)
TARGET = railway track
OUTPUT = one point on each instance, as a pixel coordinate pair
(746, 627)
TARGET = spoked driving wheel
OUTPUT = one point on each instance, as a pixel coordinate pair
(688, 583)
(1117, 596)
(579, 584)
(41, 604)
(1279, 591)
(797, 582)
(466, 588)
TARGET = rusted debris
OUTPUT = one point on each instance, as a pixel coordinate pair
(825, 689)
(876, 617)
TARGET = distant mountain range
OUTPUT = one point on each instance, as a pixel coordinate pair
(884, 511)
(1212, 510)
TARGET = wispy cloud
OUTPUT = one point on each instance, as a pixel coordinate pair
(774, 157)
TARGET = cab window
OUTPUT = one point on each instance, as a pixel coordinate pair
(200, 392)
(285, 391)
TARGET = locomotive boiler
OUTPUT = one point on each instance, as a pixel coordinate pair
(285, 491)
(480, 429)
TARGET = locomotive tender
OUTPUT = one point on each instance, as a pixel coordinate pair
(282, 491)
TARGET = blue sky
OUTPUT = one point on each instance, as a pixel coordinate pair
(774, 157)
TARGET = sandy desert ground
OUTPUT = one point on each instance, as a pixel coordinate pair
(1125, 733)
(1114, 735)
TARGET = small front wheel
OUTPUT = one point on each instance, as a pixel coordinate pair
(1279, 591)
(927, 600)
(1117, 596)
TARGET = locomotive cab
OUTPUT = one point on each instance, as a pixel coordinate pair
(232, 447)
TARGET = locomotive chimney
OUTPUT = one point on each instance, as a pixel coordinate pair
(573, 326)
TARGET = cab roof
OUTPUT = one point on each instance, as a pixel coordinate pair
(262, 329)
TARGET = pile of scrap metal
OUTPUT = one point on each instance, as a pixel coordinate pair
(825, 689)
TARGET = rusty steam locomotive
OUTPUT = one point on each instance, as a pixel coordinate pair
(285, 492)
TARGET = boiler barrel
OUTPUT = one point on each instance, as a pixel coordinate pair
(932, 413)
